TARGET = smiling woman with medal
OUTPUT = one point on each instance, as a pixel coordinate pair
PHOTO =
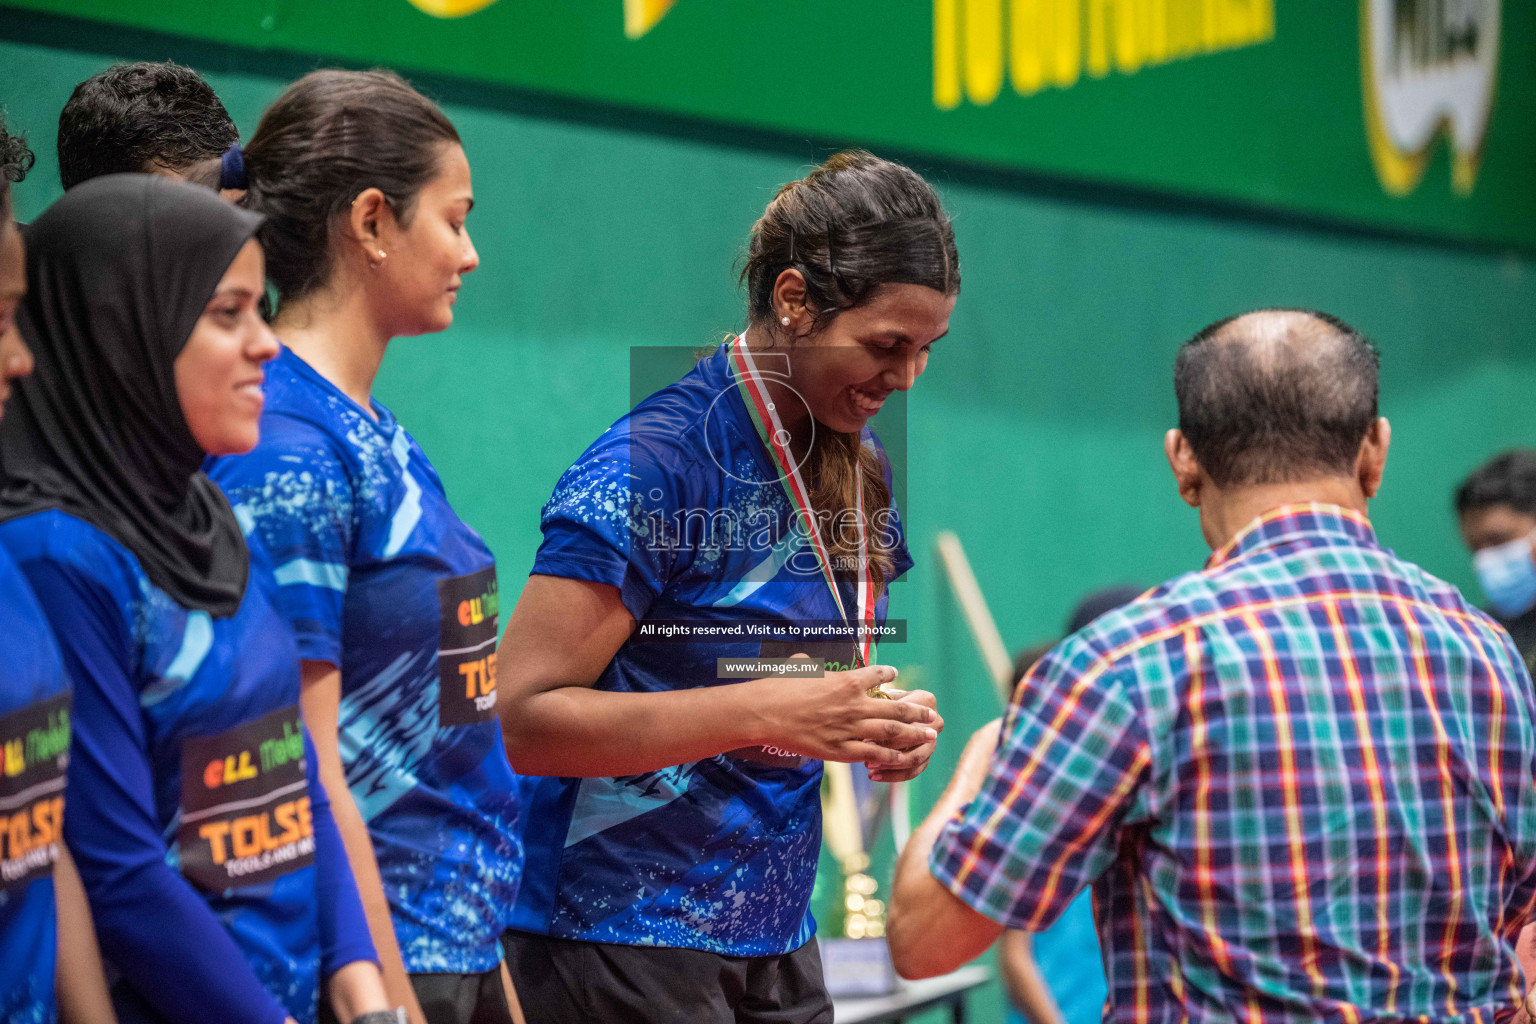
(672, 846)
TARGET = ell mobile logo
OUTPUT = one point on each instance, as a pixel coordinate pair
(44, 742)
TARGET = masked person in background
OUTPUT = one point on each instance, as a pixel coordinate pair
(1496, 508)
(216, 878)
(44, 920)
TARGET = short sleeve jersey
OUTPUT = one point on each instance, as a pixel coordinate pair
(380, 577)
(34, 742)
(207, 704)
(679, 506)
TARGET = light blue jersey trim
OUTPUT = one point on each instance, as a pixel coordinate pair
(604, 803)
(245, 519)
(316, 574)
(762, 572)
(409, 513)
(196, 642)
(391, 748)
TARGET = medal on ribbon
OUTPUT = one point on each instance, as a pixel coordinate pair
(770, 429)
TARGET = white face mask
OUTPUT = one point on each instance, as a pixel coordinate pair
(1507, 573)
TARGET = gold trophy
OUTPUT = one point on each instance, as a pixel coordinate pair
(845, 821)
(862, 915)
(855, 959)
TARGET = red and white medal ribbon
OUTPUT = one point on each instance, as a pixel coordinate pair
(771, 429)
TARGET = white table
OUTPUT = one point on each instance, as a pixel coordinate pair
(914, 997)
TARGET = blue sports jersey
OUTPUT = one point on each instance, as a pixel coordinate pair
(194, 815)
(380, 577)
(34, 744)
(1067, 955)
(679, 506)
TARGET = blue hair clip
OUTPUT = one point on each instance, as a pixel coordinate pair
(232, 169)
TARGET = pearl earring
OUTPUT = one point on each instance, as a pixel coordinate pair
(784, 320)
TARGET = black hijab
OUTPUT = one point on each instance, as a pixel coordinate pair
(118, 273)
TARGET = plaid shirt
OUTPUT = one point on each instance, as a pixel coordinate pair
(1302, 783)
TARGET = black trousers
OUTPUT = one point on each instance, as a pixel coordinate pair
(463, 998)
(562, 981)
(453, 999)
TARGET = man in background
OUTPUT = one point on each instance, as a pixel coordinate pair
(149, 117)
(1302, 781)
(1496, 507)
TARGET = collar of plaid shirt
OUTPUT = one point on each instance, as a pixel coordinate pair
(1292, 522)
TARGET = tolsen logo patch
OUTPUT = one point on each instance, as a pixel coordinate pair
(466, 654)
(35, 755)
(245, 814)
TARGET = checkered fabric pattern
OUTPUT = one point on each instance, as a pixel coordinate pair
(1302, 783)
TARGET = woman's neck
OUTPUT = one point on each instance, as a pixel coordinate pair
(788, 402)
(339, 337)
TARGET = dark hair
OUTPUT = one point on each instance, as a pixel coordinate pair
(1092, 606)
(1100, 603)
(1275, 396)
(853, 224)
(1028, 658)
(1507, 479)
(15, 161)
(136, 116)
(330, 136)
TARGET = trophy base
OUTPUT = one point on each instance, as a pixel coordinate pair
(857, 967)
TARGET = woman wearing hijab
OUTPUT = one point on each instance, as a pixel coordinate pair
(217, 880)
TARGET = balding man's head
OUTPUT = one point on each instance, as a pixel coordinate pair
(1276, 396)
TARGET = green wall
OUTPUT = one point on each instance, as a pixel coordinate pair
(1036, 432)
(1248, 100)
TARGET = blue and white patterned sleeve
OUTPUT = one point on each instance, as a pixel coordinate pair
(886, 522)
(614, 516)
(889, 521)
(298, 493)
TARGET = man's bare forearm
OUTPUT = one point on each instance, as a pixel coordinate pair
(930, 930)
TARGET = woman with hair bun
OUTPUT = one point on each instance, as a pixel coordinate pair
(217, 881)
(366, 189)
(672, 849)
